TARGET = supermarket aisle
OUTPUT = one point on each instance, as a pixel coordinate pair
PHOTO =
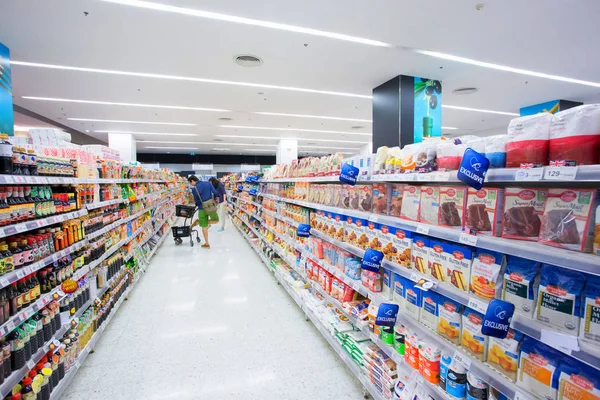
(211, 324)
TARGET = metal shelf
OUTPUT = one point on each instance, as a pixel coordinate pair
(51, 180)
(40, 223)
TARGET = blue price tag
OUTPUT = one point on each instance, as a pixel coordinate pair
(348, 174)
(473, 168)
(386, 315)
(303, 230)
(372, 260)
(497, 318)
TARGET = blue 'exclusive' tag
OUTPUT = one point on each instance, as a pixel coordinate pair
(253, 192)
(240, 188)
(348, 174)
(303, 230)
(386, 315)
(497, 318)
(473, 168)
(372, 260)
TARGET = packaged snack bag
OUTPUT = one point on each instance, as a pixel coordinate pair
(503, 354)
(484, 211)
(578, 381)
(520, 284)
(523, 209)
(437, 259)
(411, 200)
(559, 298)
(458, 265)
(567, 219)
(429, 204)
(487, 273)
(473, 340)
(381, 198)
(538, 369)
(452, 206)
(575, 135)
(449, 155)
(450, 319)
(590, 324)
(420, 253)
(429, 312)
(397, 190)
(528, 140)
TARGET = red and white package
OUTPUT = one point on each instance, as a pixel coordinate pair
(484, 211)
(452, 206)
(528, 139)
(430, 204)
(523, 209)
(568, 219)
(575, 135)
(411, 200)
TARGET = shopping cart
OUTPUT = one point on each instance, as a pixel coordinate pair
(187, 212)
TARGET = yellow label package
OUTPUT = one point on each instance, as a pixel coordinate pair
(538, 369)
(590, 324)
(473, 340)
(504, 353)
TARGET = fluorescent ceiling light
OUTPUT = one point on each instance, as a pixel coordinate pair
(328, 147)
(27, 128)
(150, 133)
(483, 64)
(218, 149)
(477, 110)
(269, 150)
(292, 130)
(450, 128)
(130, 122)
(185, 78)
(313, 116)
(110, 103)
(248, 21)
(276, 138)
(172, 148)
(207, 143)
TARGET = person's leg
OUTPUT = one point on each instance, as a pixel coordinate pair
(222, 216)
(203, 222)
(205, 234)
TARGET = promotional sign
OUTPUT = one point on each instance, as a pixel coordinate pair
(253, 192)
(497, 318)
(372, 260)
(386, 315)
(303, 230)
(348, 174)
(240, 188)
(7, 124)
(252, 178)
(473, 168)
(427, 108)
(202, 167)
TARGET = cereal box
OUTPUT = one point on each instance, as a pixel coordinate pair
(397, 191)
(484, 211)
(487, 273)
(523, 209)
(330, 224)
(568, 219)
(420, 253)
(429, 204)
(360, 229)
(429, 311)
(473, 340)
(384, 234)
(452, 206)
(381, 198)
(458, 265)
(411, 200)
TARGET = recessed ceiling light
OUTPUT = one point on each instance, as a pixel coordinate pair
(465, 90)
(225, 119)
(327, 147)
(291, 129)
(277, 138)
(478, 110)
(87, 130)
(248, 21)
(357, 127)
(130, 122)
(185, 78)
(111, 103)
(520, 71)
(149, 133)
(313, 116)
(248, 60)
(172, 148)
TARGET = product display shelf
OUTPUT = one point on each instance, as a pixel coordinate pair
(328, 337)
(259, 219)
(16, 376)
(28, 312)
(119, 201)
(39, 223)
(70, 374)
(247, 201)
(47, 180)
(160, 241)
(14, 276)
(139, 246)
(583, 262)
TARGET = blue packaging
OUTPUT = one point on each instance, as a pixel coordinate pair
(577, 380)
(559, 298)
(429, 312)
(520, 284)
(445, 362)
(590, 310)
(539, 361)
(497, 160)
(414, 298)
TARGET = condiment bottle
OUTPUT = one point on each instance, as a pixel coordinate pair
(6, 155)
(27, 391)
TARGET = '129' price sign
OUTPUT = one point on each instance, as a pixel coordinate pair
(560, 173)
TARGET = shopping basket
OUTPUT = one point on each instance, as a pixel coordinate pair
(187, 212)
(184, 211)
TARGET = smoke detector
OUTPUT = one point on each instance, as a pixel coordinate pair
(248, 60)
(465, 90)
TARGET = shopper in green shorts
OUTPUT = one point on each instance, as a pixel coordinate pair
(204, 191)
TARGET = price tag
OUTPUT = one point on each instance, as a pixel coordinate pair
(9, 179)
(30, 364)
(20, 228)
(20, 275)
(10, 325)
(31, 225)
(467, 239)
(407, 177)
(423, 177)
(373, 218)
(67, 251)
(27, 270)
(565, 343)
(4, 282)
(560, 173)
(462, 359)
(423, 229)
(442, 176)
(477, 305)
(45, 300)
(19, 179)
(51, 220)
(38, 179)
(60, 218)
(529, 174)
(418, 378)
(55, 257)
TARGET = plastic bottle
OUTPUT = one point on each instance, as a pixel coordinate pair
(16, 254)
(27, 252)
(5, 347)
(23, 299)
(13, 298)
(27, 391)
(6, 155)
(32, 162)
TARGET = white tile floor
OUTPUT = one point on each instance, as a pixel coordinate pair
(211, 324)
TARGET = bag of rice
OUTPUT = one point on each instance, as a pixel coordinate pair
(559, 298)
(538, 369)
(520, 284)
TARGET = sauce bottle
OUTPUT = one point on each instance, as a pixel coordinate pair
(4, 208)
(27, 252)
(27, 391)
(6, 155)
(13, 298)
(23, 298)
(32, 162)
(16, 254)
(5, 347)
(9, 263)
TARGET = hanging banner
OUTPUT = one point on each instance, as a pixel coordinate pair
(473, 168)
(427, 109)
(7, 122)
